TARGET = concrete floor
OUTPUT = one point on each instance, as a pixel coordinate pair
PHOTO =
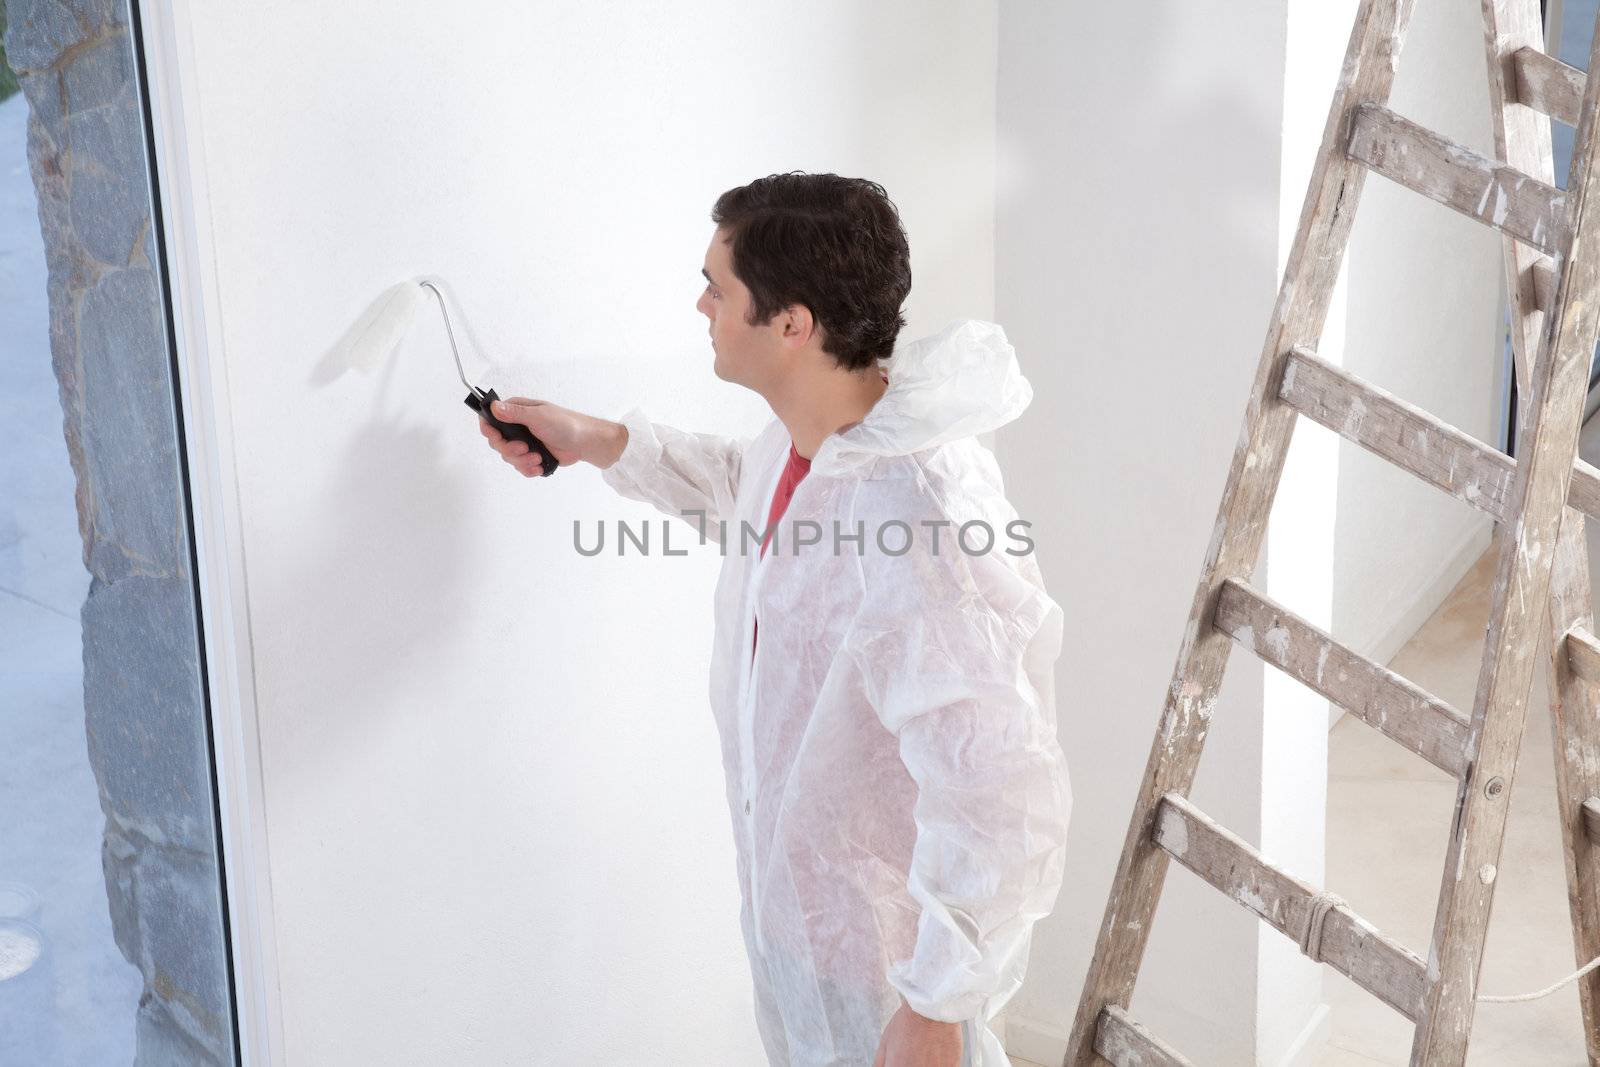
(76, 1004)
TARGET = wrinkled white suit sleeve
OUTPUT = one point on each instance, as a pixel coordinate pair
(676, 470)
(957, 654)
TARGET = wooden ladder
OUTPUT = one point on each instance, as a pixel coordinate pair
(1538, 502)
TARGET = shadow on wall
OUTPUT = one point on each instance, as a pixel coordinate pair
(391, 500)
(397, 507)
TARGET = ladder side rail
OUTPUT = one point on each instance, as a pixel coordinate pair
(1515, 40)
(1575, 744)
(1519, 596)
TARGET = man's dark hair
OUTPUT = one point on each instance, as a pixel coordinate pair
(835, 245)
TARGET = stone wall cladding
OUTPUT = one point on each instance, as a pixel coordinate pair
(142, 696)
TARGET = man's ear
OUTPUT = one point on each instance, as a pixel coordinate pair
(799, 325)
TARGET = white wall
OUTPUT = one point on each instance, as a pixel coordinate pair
(493, 794)
(496, 813)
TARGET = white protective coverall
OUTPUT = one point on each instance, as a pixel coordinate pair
(900, 801)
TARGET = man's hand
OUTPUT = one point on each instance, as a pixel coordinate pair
(569, 435)
(911, 1040)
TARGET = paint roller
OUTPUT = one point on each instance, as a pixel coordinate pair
(379, 331)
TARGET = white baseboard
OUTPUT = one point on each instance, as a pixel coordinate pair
(1035, 1041)
(1453, 566)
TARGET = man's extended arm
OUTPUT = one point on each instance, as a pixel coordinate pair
(677, 471)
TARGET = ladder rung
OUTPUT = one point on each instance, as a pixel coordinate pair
(1583, 492)
(1548, 85)
(1514, 203)
(1406, 713)
(1387, 970)
(1583, 655)
(1544, 284)
(1401, 433)
(1414, 440)
(1583, 659)
(1123, 1041)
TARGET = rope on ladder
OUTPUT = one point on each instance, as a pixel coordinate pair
(1518, 998)
(1316, 914)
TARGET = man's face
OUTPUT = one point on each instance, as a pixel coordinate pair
(746, 355)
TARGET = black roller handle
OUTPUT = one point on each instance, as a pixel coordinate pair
(479, 401)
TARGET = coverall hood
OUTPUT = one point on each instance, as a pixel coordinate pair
(959, 382)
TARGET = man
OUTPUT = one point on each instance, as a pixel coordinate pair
(881, 679)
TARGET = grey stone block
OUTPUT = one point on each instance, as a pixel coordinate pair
(46, 104)
(47, 161)
(160, 1042)
(38, 31)
(98, 16)
(116, 861)
(109, 193)
(101, 75)
(180, 923)
(142, 702)
(129, 439)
